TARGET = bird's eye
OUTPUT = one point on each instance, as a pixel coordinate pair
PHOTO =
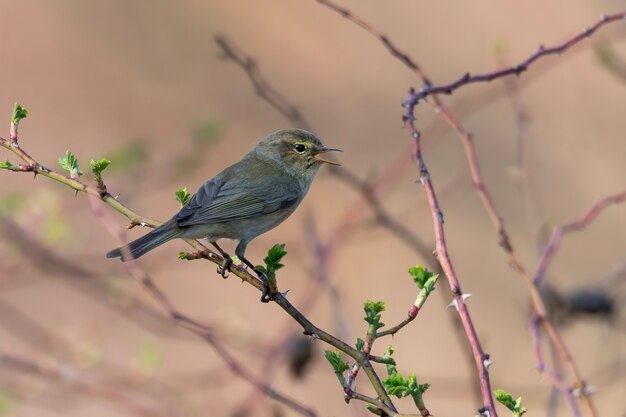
(300, 148)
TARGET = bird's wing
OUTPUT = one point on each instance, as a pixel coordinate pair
(218, 201)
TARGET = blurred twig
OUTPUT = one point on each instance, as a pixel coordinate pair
(559, 231)
(67, 375)
(92, 283)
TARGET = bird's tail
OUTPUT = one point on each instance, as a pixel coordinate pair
(146, 243)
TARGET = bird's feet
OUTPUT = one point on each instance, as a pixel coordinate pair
(223, 270)
(267, 294)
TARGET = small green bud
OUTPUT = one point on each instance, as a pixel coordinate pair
(372, 314)
(359, 344)
(70, 164)
(98, 166)
(182, 196)
(19, 113)
(6, 164)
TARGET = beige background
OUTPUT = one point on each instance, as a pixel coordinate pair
(98, 75)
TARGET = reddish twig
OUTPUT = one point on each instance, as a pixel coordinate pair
(444, 259)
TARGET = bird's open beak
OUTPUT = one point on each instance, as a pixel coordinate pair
(326, 161)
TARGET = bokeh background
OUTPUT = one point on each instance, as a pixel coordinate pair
(144, 84)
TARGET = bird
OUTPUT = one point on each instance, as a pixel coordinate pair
(245, 200)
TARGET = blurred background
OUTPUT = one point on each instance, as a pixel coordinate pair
(144, 84)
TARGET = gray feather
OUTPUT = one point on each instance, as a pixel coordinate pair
(146, 243)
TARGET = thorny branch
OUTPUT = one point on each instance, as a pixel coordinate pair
(480, 358)
(430, 90)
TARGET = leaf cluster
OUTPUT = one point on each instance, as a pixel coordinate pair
(423, 278)
(507, 400)
(372, 314)
(272, 261)
(19, 113)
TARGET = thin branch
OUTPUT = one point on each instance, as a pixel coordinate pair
(444, 259)
(559, 231)
(541, 51)
(262, 88)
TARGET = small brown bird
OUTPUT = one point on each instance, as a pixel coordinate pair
(246, 199)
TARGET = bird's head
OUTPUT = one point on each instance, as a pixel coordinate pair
(297, 150)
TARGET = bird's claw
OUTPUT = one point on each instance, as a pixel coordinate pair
(267, 294)
(223, 270)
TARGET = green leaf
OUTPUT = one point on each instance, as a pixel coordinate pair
(415, 388)
(372, 314)
(397, 385)
(6, 164)
(182, 196)
(182, 255)
(70, 163)
(98, 166)
(420, 275)
(19, 113)
(506, 399)
(274, 256)
(338, 364)
(359, 344)
(391, 363)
